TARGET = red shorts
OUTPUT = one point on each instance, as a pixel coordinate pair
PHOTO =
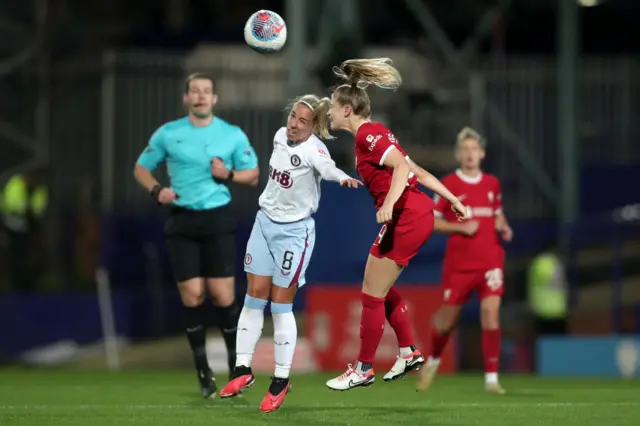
(457, 285)
(401, 239)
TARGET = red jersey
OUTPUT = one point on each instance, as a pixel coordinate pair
(484, 196)
(373, 143)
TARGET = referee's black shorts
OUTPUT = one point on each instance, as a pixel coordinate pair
(201, 243)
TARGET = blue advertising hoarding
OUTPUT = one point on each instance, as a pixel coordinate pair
(607, 356)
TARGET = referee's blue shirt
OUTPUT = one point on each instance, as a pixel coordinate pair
(188, 151)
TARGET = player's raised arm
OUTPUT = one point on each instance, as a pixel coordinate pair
(443, 226)
(321, 160)
(401, 169)
(431, 182)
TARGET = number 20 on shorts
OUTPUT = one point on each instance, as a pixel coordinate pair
(494, 278)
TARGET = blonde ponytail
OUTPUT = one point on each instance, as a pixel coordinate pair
(364, 72)
(358, 74)
(321, 121)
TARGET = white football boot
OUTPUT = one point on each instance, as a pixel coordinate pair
(351, 379)
(404, 365)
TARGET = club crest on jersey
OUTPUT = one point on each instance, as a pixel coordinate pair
(248, 259)
(295, 160)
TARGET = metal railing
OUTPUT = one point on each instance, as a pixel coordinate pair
(104, 110)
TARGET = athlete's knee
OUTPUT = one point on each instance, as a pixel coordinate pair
(192, 291)
(490, 312)
(490, 318)
(375, 288)
(379, 276)
(222, 290)
(258, 286)
(446, 318)
(284, 295)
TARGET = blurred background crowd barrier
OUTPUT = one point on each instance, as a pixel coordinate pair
(84, 85)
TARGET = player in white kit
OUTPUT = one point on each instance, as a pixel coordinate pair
(281, 242)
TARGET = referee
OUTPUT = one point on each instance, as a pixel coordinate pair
(203, 154)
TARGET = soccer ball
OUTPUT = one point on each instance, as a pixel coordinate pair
(265, 32)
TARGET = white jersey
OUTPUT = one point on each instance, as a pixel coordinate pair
(295, 171)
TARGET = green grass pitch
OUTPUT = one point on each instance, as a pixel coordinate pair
(61, 398)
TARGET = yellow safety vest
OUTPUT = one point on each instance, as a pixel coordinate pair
(16, 202)
(547, 287)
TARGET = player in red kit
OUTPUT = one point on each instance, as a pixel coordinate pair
(474, 259)
(405, 213)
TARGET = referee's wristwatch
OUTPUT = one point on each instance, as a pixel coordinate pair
(155, 192)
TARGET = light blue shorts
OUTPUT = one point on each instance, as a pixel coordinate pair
(280, 250)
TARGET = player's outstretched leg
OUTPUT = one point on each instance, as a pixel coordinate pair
(371, 330)
(379, 276)
(250, 326)
(444, 322)
(410, 358)
(491, 342)
(285, 335)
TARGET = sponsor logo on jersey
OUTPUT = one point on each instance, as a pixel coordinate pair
(482, 211)
(373, 141)
(281, 177)
(490, 195)
(322, 152)
(391, 137)
(295, 160)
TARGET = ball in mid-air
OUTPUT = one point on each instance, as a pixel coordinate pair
(265, 32)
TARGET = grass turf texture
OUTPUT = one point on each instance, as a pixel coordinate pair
(61, 398)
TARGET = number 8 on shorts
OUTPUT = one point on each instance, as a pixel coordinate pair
(280, 250)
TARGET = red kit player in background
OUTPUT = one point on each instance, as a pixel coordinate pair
(405, 212)
(474, 259)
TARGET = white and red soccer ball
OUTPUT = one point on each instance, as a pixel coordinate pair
(265, 32)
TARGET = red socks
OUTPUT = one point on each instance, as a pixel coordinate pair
(491, 342)
(438, 343)
(398, 316)
(371, 327)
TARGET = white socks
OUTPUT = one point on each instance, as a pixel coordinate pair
(250, 326)
(433, 361)
(406, 351)
(491, 378)
(285, 335)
